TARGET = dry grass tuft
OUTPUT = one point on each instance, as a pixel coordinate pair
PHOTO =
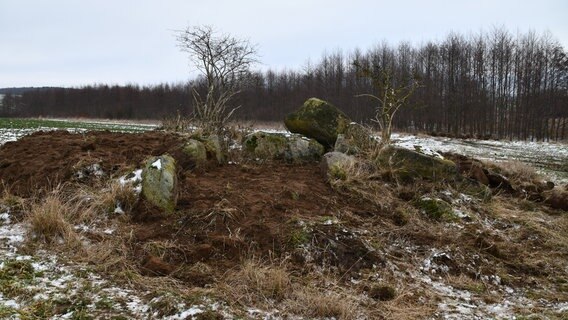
(517, 171)
(115, 198)
(259, 282)
(48, 220)
(359, 180)
(314, 303)
(11, 201)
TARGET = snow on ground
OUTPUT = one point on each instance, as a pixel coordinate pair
(13, 134)
(33, 285)
(545, 156)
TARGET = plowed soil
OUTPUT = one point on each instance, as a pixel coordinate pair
(44, 159)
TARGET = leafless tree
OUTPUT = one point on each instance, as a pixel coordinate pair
(223, 61)
(390, 96)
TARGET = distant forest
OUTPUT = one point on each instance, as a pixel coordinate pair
(494, 84)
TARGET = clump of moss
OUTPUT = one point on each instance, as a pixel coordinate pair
(299, 237)
(436, 209)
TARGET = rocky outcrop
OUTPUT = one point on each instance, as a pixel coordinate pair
(319, 120)
(159, 182)
(293, 147)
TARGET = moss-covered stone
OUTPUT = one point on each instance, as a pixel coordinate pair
(159, 182)
(266, 145)
(334, 165)
(302, 148)
(436, 209)
(214, 148)
(196, 151)
(408, 165)
(319, 120)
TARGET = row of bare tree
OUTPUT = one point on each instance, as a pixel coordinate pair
(492, 84)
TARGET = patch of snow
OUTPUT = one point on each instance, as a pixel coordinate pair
(187, 313)
(329, 222)
(157, 164)
(132, 178)
(12, 234)
(118, 209)
(5, 217)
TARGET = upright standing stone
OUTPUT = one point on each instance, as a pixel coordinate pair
(159, 182)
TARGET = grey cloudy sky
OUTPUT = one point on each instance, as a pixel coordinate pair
(73, 43)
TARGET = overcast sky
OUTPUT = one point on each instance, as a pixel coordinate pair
(73, 43)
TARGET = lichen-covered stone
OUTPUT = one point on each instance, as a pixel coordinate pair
(436, 209)
(302, 148)
(356, 139)
(266, 145)
(409, 165)
(159, 182)
(334, 165)
(196, 151)
(319, 120)
(214, 148)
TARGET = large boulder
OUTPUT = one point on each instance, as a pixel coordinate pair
(265, 145)
(319, 120)
(159, 182)
(408, 165)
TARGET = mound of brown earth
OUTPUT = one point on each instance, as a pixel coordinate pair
(44, 159)
(224, 213)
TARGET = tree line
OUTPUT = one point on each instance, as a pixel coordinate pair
(493, 84)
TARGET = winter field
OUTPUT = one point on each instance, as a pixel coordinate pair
(550, 158)
(34, 283)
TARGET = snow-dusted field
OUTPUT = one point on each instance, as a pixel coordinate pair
(13, 129)
(550, 158)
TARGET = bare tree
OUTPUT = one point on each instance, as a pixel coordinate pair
(390, 96)
(223, 60)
